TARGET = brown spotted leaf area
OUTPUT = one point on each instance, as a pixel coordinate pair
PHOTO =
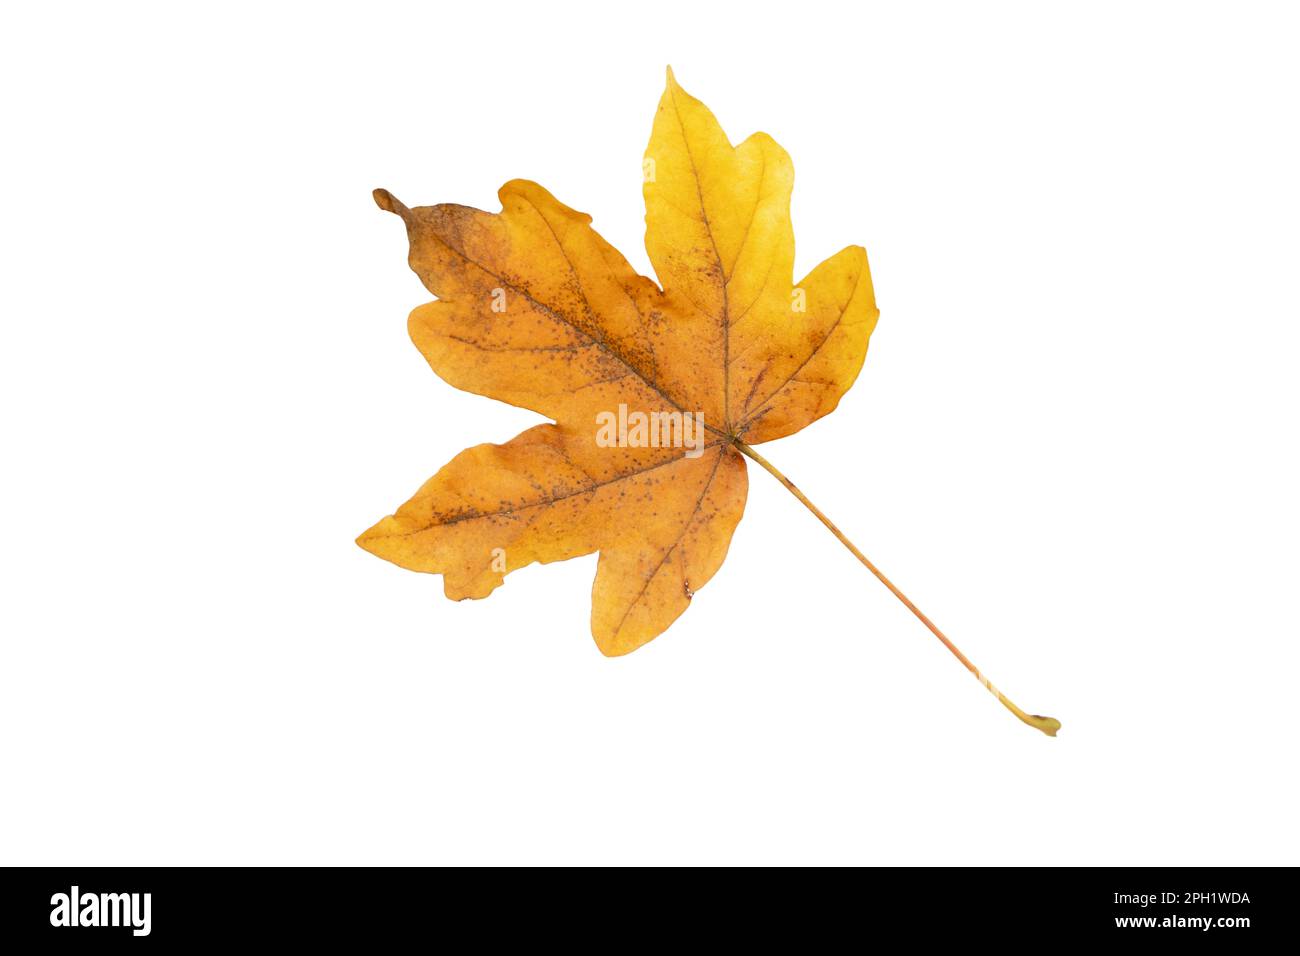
(648, 386)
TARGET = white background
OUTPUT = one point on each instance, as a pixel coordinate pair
(1073, 443)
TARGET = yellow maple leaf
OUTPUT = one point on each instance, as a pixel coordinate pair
(656, 395)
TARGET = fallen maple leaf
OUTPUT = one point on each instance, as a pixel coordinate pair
(656, 395)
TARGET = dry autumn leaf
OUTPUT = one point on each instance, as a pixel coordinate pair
(657, 395)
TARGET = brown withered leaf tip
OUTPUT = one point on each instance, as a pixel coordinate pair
(652, 391)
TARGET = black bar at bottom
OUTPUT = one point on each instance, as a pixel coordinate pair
(385, 907)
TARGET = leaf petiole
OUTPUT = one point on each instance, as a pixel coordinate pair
(1048, 725)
